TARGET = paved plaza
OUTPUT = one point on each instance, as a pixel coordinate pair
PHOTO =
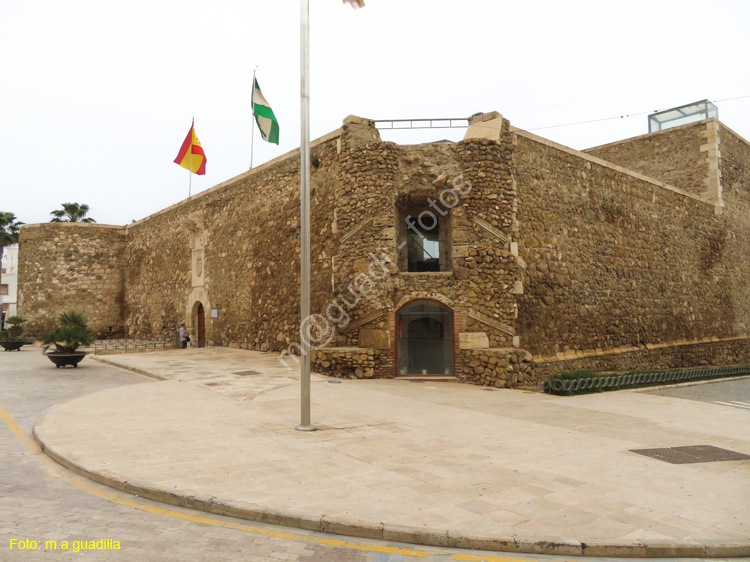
(442, 464)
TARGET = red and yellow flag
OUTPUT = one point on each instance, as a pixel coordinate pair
(191, 156)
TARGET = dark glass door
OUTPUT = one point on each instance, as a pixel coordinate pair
(425, 339)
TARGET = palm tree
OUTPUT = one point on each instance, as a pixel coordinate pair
(71, 212)
(9, 228)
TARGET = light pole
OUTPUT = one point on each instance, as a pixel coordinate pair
(304, 173)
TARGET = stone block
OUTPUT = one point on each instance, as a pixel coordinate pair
(361, 265)
(485, 126)
(473, 340)
(374, 338)
(388, 233)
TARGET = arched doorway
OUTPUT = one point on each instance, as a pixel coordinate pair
(200, 324)
(425, 339)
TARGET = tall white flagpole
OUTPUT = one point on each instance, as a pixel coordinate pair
(304, 149)
(252, 125)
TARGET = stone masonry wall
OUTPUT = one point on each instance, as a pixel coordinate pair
(346, 362)
(672, 156)
(734, 238)
(547, 244)
(378, 180)
(234, 249)
(500, 368)
(653, 358)
(614, 260)
(71, 266)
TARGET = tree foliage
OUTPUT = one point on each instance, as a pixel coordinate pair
(72, 212)
(15, 331)
(9, 228)
(71, 333)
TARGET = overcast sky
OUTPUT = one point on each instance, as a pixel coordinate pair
(97, 96)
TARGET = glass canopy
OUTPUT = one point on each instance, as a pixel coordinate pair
(682, 115)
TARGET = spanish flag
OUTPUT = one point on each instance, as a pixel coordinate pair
(191, 156)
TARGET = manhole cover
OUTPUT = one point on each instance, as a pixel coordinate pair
(246, 373)
(693, 453)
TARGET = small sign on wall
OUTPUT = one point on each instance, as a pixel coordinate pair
(214, 313)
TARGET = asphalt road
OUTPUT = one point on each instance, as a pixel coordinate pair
(42, 504)
(727, 393)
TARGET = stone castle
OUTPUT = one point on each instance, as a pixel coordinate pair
(498, 260)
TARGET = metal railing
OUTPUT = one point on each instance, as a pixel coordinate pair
(605, 382)
(433, 123)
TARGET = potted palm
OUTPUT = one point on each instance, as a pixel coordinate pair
(71, 333)
(11, 338)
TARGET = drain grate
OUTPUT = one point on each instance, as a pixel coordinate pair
(246, 373)
(693, 453)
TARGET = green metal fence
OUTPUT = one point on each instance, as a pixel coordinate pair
(647, 378)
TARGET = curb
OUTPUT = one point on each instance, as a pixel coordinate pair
(100, 359)
(647, 389)
(395, 533)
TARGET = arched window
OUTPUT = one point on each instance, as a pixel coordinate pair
(425, 338)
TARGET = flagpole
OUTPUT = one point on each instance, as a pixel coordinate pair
(305, 424)
(252, 125)
(190, 171)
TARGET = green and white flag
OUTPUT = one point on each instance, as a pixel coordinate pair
(267, 123)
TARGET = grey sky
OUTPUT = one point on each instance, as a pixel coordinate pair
(98, 96)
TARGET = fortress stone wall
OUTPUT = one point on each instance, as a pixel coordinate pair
(235, 250)
(549, 258)
(678, 156)
(617, 261)
(72, 266)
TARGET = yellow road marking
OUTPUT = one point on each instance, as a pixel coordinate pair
(88, 487)
(14, 427)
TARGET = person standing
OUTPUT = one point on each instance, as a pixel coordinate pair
(184, 337)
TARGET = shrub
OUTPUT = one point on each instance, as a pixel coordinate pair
(71, 333)
(15, 331)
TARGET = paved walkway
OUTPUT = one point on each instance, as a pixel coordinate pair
(432, 463)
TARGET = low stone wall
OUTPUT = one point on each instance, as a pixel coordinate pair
(498, 367)
(690, 354)
(345, 362)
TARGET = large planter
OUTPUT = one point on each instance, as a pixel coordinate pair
(65, 359)
(12, 345)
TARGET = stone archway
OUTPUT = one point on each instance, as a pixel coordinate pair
(196, 310)
(200, 324)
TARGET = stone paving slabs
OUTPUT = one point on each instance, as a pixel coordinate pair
(438, 462)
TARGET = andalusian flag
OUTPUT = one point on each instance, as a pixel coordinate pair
(191, 156)
(267, 123)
